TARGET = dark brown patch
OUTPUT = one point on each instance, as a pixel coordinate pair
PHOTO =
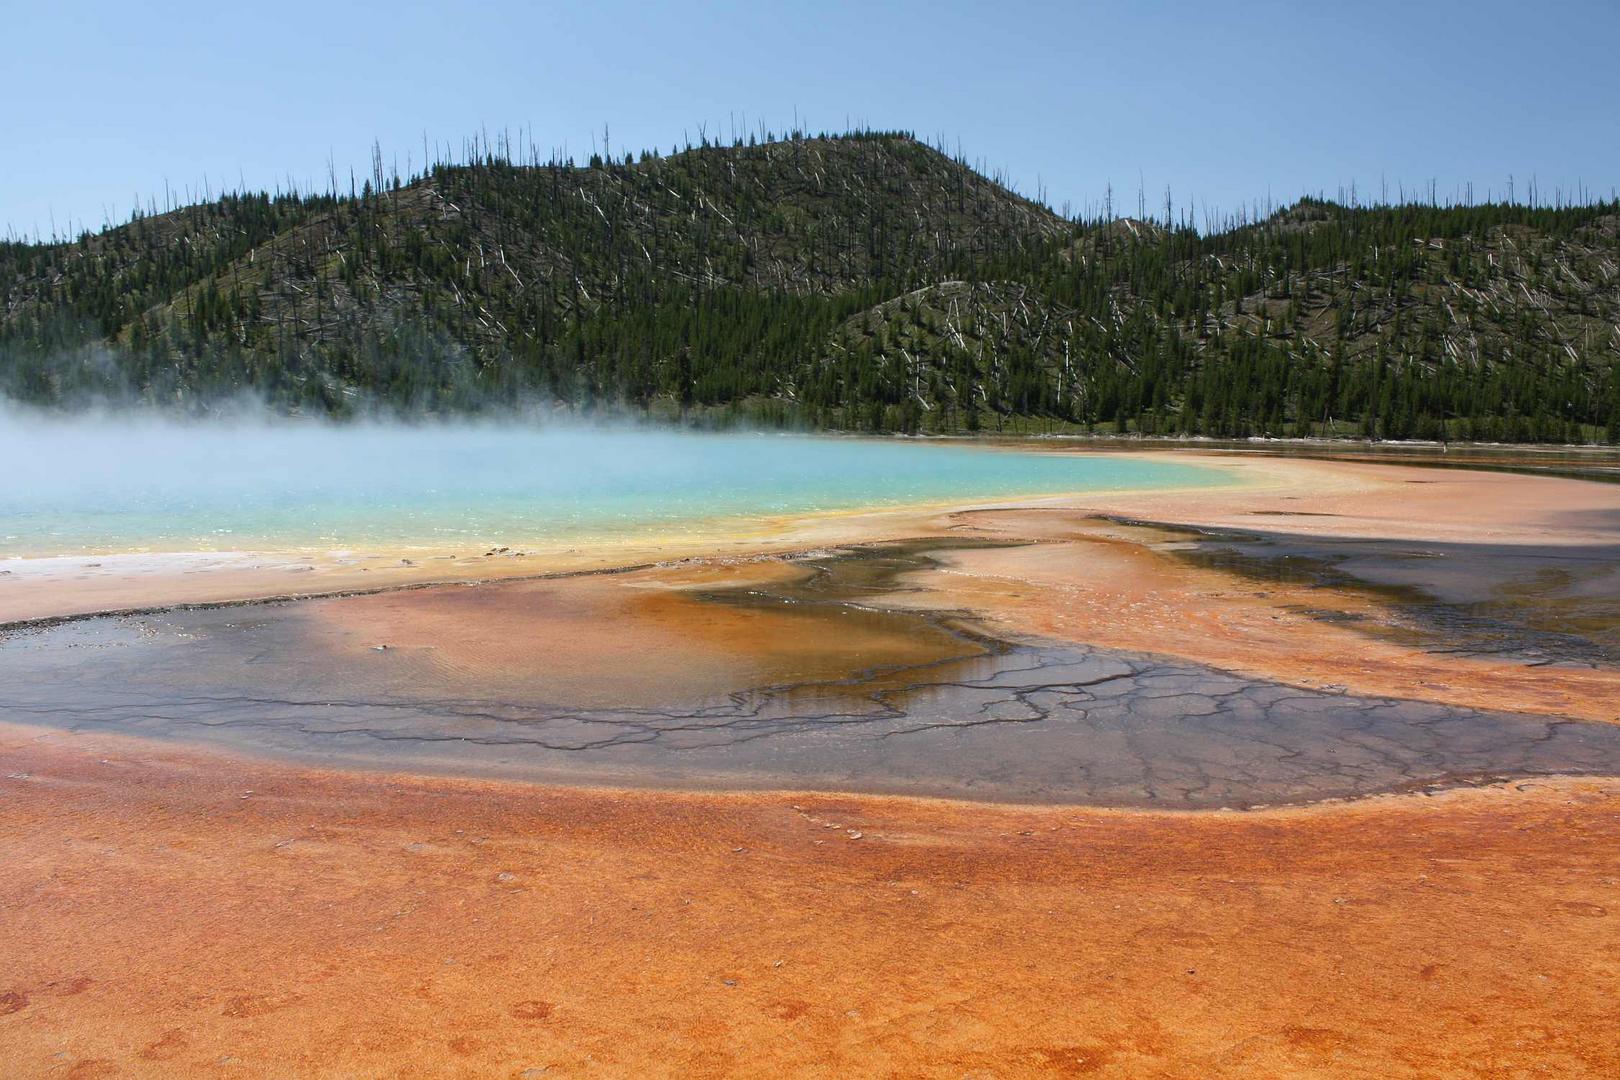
(1072, 1060)
(1580, 907)
(1319, 1039)
(69, 987)
(93, 1069)
(532, 1010)
(250, 1005)
(788, 1010)
(168, 1046)
(1173, 936)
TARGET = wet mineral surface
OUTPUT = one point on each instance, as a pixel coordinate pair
(829, 690)
(1536, 603)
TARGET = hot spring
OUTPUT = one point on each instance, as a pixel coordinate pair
(107, 485)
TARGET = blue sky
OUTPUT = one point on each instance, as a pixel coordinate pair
(1226, 103)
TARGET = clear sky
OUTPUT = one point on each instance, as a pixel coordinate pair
(1227, 103)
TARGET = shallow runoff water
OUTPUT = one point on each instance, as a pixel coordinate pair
(110, 484)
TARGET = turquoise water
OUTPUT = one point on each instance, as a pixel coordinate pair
(102, 486)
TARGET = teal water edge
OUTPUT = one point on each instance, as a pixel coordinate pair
(103, 486)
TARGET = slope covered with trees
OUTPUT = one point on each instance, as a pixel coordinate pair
(862, 282)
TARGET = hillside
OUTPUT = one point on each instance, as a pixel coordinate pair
(859, 282)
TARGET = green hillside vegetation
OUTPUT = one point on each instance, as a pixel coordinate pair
(859, 282)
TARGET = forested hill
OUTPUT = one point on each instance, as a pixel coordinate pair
(860, 282)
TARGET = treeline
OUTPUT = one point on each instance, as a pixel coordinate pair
(863, 282)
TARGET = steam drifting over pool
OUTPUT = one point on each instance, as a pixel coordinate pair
(110, 484)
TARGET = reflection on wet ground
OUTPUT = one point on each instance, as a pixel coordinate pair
(955, 712)
(1601, 463)
(1539, 604)
(1590, 463)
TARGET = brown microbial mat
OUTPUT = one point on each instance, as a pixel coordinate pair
(172, 913)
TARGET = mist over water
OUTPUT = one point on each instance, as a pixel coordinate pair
(115, 482)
